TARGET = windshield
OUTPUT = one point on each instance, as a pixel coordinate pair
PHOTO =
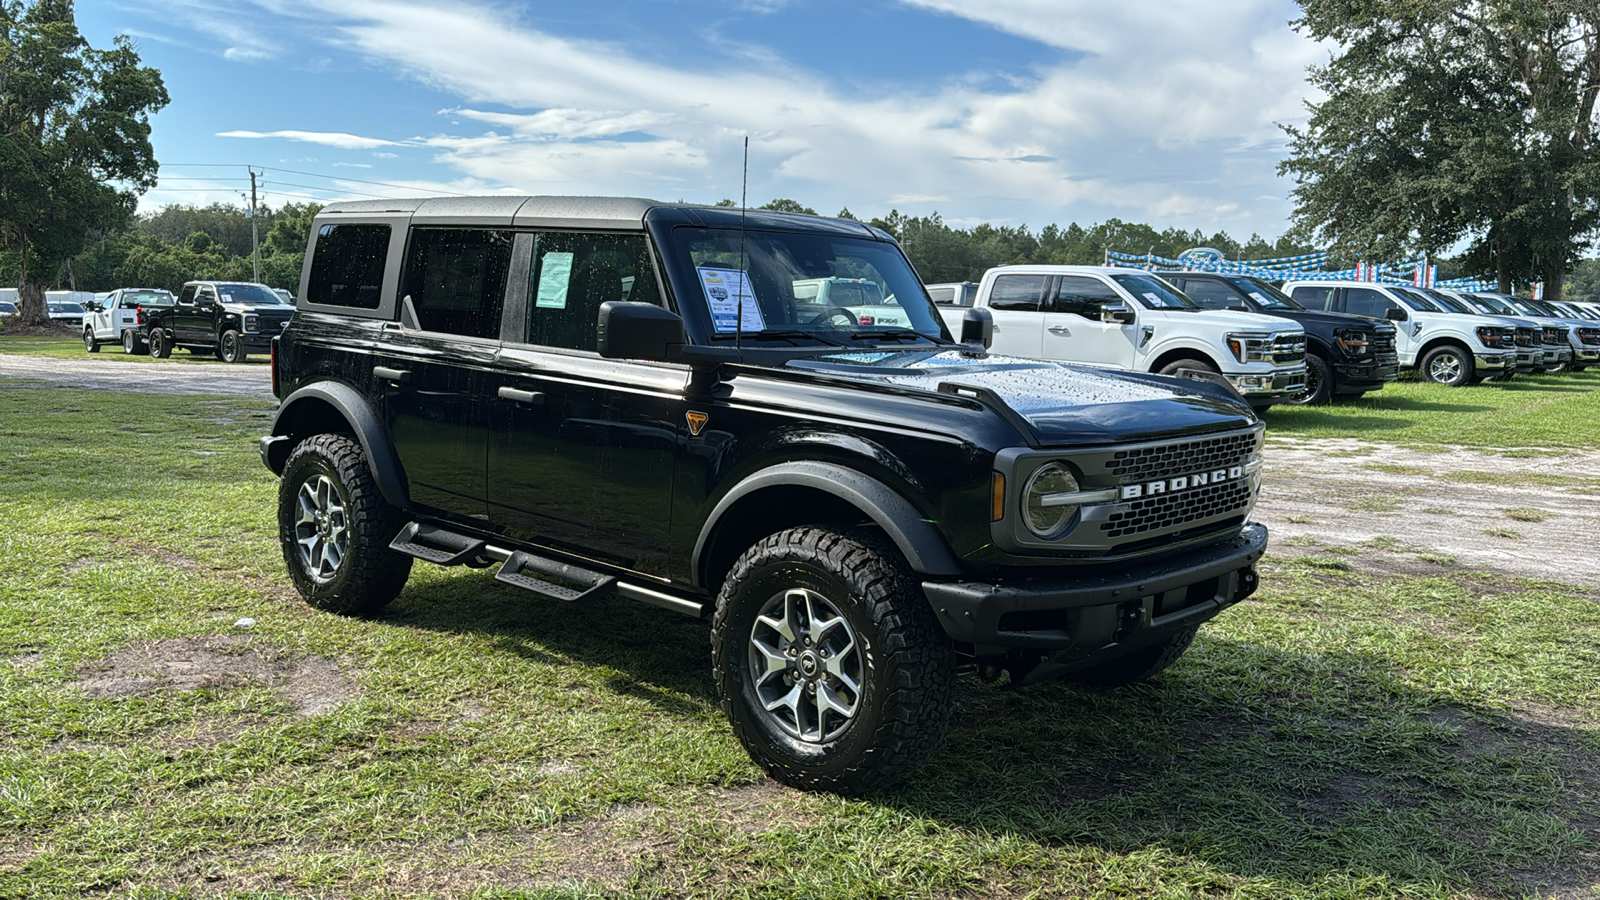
(247, 294)
(7, 306)
(802, 285)
(1153, 292)
(1580, 312)
(65, 308)
(1450, 303)
(1415, 300)
(1265, 294)
(1497, 304)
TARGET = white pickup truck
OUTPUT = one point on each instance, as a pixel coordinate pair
(113, 318)
(1130, 319)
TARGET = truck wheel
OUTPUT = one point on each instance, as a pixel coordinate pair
(1447, 365)
(130, 341)
(335, 528)
(1319, 383)
(1140, 665)
(828, 661)
(89, 343)
(1172, 368)
(230, 348)
(159, 347)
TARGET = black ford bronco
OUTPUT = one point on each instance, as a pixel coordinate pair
(596, 394)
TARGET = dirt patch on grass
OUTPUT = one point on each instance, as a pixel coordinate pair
(1455, 505)
(312, 685)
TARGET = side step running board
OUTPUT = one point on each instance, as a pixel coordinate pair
(585, 583)
(436, 545)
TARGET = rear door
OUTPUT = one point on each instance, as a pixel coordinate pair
(1016, 302)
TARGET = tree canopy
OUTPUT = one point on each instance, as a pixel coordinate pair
(74, 139)
(1451, 120)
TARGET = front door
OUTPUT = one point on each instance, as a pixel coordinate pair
(1073, 330)
(582, 449)
(434, 364)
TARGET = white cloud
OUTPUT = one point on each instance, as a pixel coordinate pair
(326, 138)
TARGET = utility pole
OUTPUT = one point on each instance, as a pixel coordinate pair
(255, 245)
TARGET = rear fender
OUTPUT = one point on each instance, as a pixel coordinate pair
(336, 407)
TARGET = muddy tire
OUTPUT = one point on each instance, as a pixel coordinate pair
(335, 528)
(1140, 665)
(829, 662)
(160, 347)
(1319, 383)
(1449, 365)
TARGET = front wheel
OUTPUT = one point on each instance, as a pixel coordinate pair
(160, 347)
(335, 528)
(230, 348)
(1449, 366)
(1319, 383)
(828, 661)
(89, 343)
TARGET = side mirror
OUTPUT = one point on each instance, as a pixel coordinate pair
(1117, 315)
(977, 327)
(1396, 314)
(92, 306)
(641, 331)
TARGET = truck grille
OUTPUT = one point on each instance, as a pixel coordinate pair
(1288, 349)
(1527, 337)
(1162, 460)
(1382, 342)
(1165, 511)
(1555, 336)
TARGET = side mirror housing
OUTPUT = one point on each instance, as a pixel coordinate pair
(977, 327)
(1396, 314)
(1117, 315)
(640, 331)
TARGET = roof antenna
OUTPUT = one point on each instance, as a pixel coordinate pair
(744, 193)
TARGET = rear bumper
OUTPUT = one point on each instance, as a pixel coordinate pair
(1104, 612)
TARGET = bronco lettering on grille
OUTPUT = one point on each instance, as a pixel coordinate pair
(1181, 483)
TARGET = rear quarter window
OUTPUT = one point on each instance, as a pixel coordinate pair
(347, 266)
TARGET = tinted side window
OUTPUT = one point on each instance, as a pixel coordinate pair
(1367, 302)
(189, 292)
(347, 266)
(1314, 297)
(1084, 296)
(1017, 292)
(456, 279)
(1212, 294)
(944, 296)
(573, 274)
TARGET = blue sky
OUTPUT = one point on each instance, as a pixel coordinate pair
(1007, 111)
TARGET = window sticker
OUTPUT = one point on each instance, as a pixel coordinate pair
(1152, 298)
(1259, 299)
(227, 298)
(555, 275)
(725, 288)
(627, 286)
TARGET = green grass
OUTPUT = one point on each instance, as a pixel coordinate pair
(68, 347)
(1341, 735)
(1559, 411)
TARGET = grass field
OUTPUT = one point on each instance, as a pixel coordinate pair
(1340, 735)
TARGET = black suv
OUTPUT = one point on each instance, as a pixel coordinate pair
(225, 319)
(1346, 355)
(620, 395)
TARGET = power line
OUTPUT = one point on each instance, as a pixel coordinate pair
(407, 187)
(313, 187)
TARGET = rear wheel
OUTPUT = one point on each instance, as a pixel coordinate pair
(89, 343)
(1448, 365)
(160, 347)
(1319, 383)
(130, 342)
(335, 528)
(828, 661)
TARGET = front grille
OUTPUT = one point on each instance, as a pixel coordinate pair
(1589, 335)
(1165, 511)
(1555, 336)
(1381, 343)
(1184, 457)
(1527, 337)
(1288, 349)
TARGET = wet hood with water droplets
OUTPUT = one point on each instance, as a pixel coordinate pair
(1065, 404)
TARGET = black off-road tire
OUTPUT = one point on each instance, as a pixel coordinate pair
(89, 343)
(1319, 383)
(370, 574)
(1448, 365)
(230, 348)
(1140, 665)
(160, 347)
(906, 664)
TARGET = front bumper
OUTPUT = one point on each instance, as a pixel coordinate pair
(1529, 361)
(1367, 375)
(1496, 362)
(1555, 358)
(1586, 354)
(1106, 611)
(1279, 384)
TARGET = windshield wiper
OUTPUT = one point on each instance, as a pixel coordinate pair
(790, 334)
(892, 334)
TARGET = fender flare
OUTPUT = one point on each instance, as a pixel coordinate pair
(919, 541)
(349, 403)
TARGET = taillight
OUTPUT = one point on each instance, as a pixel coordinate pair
(138, 315)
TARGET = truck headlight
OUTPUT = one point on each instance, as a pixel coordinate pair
(1248, 347)
(1046, 514)
(252, 323)
(1355, 343)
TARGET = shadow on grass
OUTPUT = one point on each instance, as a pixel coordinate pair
(1263, 763)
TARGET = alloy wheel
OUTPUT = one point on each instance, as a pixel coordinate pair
(1445, 368)
(322, 529)
(807, 665)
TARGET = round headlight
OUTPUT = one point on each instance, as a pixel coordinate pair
(1044, 518)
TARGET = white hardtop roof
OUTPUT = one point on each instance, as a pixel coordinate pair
(591, 212)
(1048, 269)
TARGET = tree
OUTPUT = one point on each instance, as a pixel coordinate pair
(74, 140)
(789, 206)
(1444, 121)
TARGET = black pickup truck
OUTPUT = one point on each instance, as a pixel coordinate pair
(227, 319)
(1346, 355)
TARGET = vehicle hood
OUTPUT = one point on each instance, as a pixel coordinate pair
(244, 310)
(1233, 320)
(1336, 319)
(1063, 403)
(1462, 320)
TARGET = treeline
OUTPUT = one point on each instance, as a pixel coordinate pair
(183, 243)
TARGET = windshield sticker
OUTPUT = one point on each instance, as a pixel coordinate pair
(627, 286)
(1259, 299)
(725, 288)
(227, 298)
(555, 274)
(1153, 298)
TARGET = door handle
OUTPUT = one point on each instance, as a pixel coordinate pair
(531, 398)
(1062, 330)
(398, 376)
